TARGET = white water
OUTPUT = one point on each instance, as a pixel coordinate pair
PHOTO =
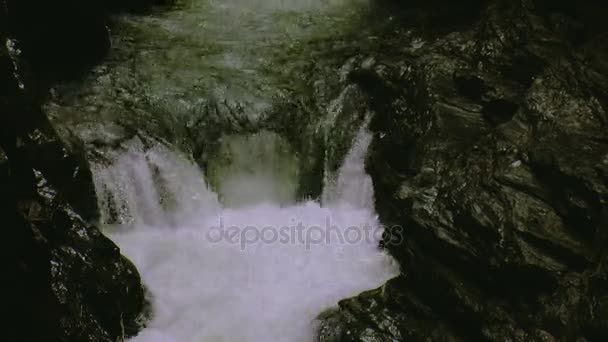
(205, 290)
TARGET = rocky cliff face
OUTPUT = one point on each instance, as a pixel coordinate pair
(490, 165)
(64, 280)
(490, 161)
(60, 39)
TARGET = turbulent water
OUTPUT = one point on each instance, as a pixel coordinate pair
(248, 260)
(259, 272)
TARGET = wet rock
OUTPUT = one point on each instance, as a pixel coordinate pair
(65, 281)
(59, 36)
(70, 280)
(63, 38)
(488, 152)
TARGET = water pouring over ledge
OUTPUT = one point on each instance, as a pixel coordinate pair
(246, 261)
(257, 272)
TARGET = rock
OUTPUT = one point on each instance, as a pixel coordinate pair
(59, 36)
(63, 38)
(488, 152)
(65, 281)
(135, 6)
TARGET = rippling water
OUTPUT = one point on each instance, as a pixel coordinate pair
(259, 272)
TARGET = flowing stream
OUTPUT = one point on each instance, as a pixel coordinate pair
(261, 271)
(231, 253)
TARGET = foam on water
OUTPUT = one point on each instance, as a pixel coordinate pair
(244, 287)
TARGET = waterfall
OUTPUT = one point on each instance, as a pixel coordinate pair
(256, 272)
(151, 187)
(352, 185)
(254, 168)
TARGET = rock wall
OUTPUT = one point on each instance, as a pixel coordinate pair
(60, 39)
(63, 279)
(491, 154)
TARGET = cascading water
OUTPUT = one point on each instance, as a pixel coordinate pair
(247, 261)
(150, 187)
(259, 272)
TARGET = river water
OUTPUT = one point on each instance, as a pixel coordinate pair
(260, 271)
(229, 253)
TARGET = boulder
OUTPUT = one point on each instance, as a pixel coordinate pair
(64, 280)
(489, 163)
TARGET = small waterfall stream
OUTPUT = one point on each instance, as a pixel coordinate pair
(257, 272)
(232, 253)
